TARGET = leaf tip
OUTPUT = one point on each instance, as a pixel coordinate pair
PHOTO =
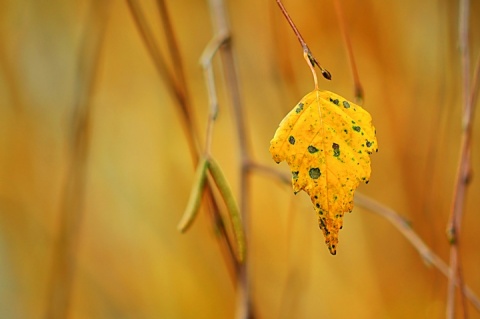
(332, 249)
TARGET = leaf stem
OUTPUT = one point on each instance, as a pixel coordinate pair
(310, 65)
(306, 49)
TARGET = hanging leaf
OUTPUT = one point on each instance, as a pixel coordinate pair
(327, 141)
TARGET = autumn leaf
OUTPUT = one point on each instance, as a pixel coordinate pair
(327, 141)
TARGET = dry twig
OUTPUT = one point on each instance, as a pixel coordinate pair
(463, 175)
(397, 221)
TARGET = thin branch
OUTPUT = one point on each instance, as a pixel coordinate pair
(206, 61)
(404, 228)
(221, 27)
(174, 87)
(358, 89)
(306, 49)
(396, 220)
(174, 51)
(475, 87)
(464, 167)
(178, 89)
(271, 172)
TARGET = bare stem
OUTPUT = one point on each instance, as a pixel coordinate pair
(404, 228)
(358, 89)
(175, 87)
(397, 221)
(206, 61)
(173, 50)
(464, 167)
(312, 68)
(304, 45)
(221, 28)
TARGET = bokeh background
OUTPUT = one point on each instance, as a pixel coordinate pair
(129, 260)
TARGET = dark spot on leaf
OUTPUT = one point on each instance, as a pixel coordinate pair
(299, 108)
(318, 205)
(322, 223)
(291, 140)
(346, 104)
(334, 101)
(355, 128)
(314, 172)
(295, 175)
(336, 149)
(369, 144)
(312, 149)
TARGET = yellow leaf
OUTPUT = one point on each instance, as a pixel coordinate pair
(327, 141)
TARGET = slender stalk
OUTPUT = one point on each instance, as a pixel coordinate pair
(312, 68)
(71, 210)
(221, 27)
(397, 221)
(206, 61)
(271, 172)
(404, 228)
(304, 45)
(464, 166)
(183, 103)
(174, 51)
(357, 85)
(174, 86)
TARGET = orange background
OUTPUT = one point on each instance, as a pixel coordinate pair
(130, 260)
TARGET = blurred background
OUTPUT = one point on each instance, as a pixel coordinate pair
(95, 166)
